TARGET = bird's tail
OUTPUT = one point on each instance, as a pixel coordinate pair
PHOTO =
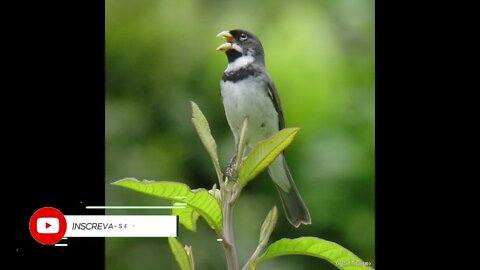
(295, 209)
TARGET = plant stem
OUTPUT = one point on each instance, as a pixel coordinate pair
(189, 251)
(254, 256)
(265, 232)
(219, 174)
(229, 240)
(230, 192)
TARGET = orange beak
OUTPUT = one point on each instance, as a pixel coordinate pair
(226, 46)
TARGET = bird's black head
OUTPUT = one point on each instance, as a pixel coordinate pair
(241, 43)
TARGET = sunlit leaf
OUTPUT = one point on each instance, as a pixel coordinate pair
(337, 255)
(268, 226)
(187, 217)
(264, 153)
(203, 130)
(180, 253)
(200, 200)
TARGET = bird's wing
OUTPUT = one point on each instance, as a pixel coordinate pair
(273, 94)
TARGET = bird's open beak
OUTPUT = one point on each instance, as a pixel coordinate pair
(225, 46)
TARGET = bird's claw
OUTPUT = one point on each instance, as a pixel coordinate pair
(232, 169)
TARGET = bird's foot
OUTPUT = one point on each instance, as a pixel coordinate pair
(232, 173)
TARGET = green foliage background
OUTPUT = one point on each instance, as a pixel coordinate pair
(161, 54)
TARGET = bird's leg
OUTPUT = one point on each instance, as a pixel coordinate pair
(232, 173)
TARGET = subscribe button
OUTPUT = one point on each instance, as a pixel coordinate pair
(48, 226)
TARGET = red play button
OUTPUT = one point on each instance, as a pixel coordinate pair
(48, 225)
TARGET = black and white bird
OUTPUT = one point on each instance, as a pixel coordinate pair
(248, 91)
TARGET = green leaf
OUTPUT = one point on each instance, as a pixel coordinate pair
(200, 200)
(203, 130)
(189, 251)
(252, 265)
(187, 217)
(268, 226)
(264, 153)
(216, 193)
(180, 253)
(339, 256)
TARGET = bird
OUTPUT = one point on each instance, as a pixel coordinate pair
(247, 91)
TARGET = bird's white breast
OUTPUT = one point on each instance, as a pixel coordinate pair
(239, 63)
(249, 98)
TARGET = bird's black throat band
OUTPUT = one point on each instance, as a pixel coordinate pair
(233, 55)
(240, 74)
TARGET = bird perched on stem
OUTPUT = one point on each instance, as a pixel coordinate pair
(247, 91)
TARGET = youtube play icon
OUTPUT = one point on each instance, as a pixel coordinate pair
(48, 225)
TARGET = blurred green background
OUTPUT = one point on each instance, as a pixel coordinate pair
(161, 54)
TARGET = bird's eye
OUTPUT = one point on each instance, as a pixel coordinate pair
(243, 37)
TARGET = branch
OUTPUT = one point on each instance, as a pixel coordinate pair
(231, 192)
(265, 232)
